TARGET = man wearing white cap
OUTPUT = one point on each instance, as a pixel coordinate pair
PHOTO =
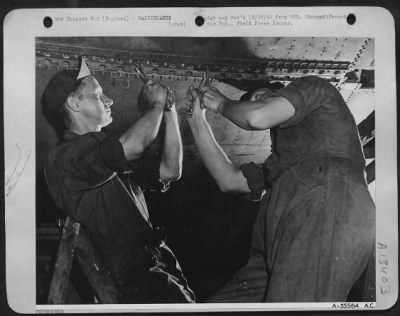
(96, 179)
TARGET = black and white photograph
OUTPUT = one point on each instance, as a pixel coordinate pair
(210, 171)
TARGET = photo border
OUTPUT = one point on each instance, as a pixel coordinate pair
(7, 76)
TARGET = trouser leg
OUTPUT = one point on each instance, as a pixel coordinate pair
(322, 247)
(247, 285)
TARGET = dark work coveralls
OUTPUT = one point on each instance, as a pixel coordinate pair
(315, 229)
(88, 179)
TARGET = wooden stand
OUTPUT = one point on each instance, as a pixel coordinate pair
(74, 242)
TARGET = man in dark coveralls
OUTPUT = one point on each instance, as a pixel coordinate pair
(315, 229)
(96, 179)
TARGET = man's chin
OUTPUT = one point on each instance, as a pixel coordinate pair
(107, 122)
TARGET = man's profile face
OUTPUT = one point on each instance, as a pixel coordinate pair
(94, 105)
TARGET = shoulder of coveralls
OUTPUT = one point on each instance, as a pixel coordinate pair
(71, 146)
(65, 159)
(73, 143)
(89, 146)
(306, 94)
(308, 84)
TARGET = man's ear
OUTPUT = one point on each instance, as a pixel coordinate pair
(261, 93)
(256, 95)
(72, 103)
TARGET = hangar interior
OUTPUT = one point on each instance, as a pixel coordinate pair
(209, 231)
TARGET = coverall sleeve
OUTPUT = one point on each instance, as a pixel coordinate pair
(146, 171)
(255, 179)
(92, 160)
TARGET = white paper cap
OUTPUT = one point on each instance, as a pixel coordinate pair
(84, 70)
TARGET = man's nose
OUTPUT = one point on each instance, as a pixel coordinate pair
(107, 101)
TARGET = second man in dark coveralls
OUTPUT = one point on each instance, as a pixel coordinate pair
(315, 229)
(96, 179)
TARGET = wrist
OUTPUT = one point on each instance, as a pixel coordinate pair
(170, 115)
(169, 107)
(197, 119)
(171, 111)
(221, 106)
(157, 105)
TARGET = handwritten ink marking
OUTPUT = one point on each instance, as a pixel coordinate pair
(12, 179)
(383, 265)
(381, 245)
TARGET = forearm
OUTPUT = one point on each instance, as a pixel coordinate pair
(240, 113)
(135, 140)
(172, 153)
(227, 176)
(257, 115)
